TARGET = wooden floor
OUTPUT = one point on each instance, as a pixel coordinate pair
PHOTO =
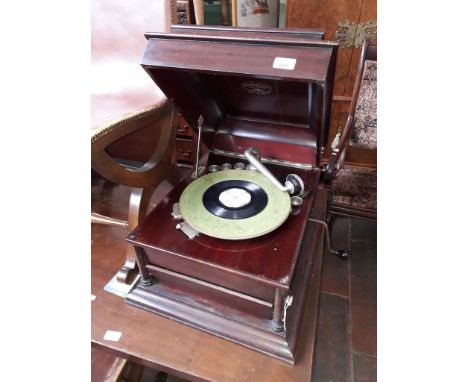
(346, 340)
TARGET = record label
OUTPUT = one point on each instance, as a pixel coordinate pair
(235, 199)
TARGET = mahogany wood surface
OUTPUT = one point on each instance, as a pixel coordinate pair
(250, 258)
(215, 284)
(163, 344)
(227, 287)
(227, 313)
(213, 30)
(237, 59)
(217, 89)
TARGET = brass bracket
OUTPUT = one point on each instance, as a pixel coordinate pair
(351, 34)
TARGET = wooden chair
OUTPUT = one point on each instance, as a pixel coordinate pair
(160, 119)
(354, 189)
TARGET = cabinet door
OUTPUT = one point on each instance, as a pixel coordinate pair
(346, 21)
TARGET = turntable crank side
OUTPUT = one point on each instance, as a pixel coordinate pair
(252, 290)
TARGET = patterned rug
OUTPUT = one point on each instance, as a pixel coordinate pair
(355, 188)
(364, 133)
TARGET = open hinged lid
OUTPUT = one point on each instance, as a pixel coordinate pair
(267, 89)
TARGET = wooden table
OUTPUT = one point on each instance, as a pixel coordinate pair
(185, 352)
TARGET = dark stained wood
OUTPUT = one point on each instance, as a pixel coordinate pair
(212, 30)
(215, 275)
(275, 141)
(221, 286)
(273, 36)
(189, 286)
(238, 59)
(177, 63)
(186, 143)
(217, 310)
(305, 38)
(177, 349)
(105, 366)
(247, 258)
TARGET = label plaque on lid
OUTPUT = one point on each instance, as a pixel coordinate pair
(256, 87)
(284, 63)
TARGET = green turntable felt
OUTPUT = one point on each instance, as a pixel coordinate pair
(195, 213)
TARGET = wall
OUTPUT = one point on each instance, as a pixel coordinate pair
(327, 14)
(118, 84)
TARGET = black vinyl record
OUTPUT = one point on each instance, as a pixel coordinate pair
(258, 199)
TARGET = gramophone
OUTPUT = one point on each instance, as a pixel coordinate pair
(223, 251)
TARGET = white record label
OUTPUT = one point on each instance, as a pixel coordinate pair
(234, 197)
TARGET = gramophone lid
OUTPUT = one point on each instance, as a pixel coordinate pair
(253, 78)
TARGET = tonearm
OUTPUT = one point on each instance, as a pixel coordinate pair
(293, 184)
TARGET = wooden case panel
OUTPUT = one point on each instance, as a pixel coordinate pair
(241, 33)
(208, 273)
(269, 259)
(203, 293)
(247, 328)
(185, 150)
(238, 59)
(183, 128)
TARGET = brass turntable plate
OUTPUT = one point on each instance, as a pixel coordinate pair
(268, 219)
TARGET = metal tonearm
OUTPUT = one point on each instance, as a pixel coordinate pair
(197, 159)
(293, 185)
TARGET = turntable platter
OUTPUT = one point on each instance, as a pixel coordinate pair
(234, 205)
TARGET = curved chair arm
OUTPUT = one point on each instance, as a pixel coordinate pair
(159, 166)
(338, 153)
(144, 179)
